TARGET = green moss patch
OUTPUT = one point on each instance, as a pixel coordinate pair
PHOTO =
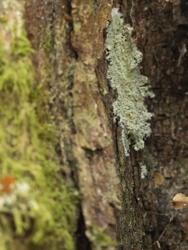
(38, 209)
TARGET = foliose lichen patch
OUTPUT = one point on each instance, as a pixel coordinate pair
(124, 76)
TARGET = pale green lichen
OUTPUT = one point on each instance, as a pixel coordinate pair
(40, 211)
(131, 86)
(143, 171)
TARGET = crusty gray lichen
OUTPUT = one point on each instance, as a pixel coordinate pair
(124, 76)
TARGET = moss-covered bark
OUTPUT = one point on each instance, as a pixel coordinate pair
(37, 208)
(66, 179)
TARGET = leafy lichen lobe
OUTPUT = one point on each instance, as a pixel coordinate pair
(131, 86)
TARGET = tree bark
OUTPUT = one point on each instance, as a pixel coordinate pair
(123, 201)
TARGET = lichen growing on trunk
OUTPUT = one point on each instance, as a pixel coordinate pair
(131, 86)
(36, 207)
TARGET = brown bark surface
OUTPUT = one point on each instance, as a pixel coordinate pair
(68, 36)
(161, 33)
(75, 30)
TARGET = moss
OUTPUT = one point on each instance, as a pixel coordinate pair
(48, 43)
(3, 19)
(38, 209)
(125, 77)
(99, 239)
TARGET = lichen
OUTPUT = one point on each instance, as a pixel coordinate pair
(39, 210)
(143, 171)
(124, 76)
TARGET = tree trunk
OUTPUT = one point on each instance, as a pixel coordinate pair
(79, 141)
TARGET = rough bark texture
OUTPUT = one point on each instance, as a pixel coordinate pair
(78, 85)
(124, 201)
(76, 43)
(160, 32)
